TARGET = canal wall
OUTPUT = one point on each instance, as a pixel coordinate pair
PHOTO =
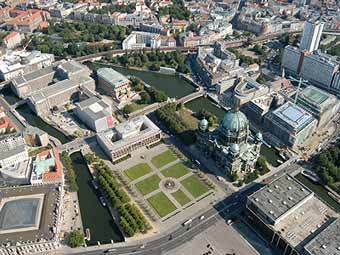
(113, 211)
(95, 217)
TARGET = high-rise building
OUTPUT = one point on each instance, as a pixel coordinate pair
(311, 35)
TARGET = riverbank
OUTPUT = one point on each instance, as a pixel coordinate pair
(95, 217)
(172, 85)
(38, 122)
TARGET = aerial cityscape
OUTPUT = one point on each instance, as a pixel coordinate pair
(174, 127)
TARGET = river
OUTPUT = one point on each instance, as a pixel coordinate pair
(172, 85)
(94, 216)
(36, 121)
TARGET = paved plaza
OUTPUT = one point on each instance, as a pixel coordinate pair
(219, 239)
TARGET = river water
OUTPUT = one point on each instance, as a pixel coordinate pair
(172, 85)
(36, 121)
(94, 216)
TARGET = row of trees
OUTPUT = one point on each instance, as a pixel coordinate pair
(116, 195)
(60, 49)
(176, 11)
(70, 175)
(169, 116)
(327, 166)
(87, 31)
(154, 60)
(131, 219)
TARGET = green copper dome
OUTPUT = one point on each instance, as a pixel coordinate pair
(235, 121)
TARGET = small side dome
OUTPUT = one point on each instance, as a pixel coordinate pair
(259, 136)
(234, 148)
(203, 125)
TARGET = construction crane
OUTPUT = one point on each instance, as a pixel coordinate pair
(300, 81)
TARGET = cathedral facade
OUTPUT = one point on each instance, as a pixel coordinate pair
(230, 145)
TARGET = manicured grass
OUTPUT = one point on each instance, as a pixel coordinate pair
(176, 171)
(194, 186)
(148, 185)
(162, 205)
(164, 158)
(180, 197)
(137, 171)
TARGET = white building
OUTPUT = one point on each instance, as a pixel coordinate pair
(128, 136)
(140, 40)
(95, 113)
(311, 36)
(13, 150)
(17, 63)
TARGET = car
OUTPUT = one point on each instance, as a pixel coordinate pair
(202, 217)
(109, 250)
(229, 222)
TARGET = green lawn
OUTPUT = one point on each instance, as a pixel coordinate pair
(137, 171)
(164, 158)
(176, 171)
(194, 186)
(162, 205)
(180, 197)
(148, 185)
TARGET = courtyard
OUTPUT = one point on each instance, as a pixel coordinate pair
(165, 180)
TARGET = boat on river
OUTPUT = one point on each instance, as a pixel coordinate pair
(310, 175)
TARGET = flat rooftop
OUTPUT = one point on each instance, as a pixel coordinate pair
(314, 95)
(327, 242)
(293, 115)
(21, 80)
(304, 222)
(95, 108)
(280, 196)
(111, 76)
(128, 132)
(29, 220)
(57, 88)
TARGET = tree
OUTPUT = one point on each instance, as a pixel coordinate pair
(76, 239)
(155, 67)
(145, 98)
(261, 165)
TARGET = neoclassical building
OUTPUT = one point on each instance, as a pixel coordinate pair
(231, 145)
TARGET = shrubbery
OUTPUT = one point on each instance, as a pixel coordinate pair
(75, 239)
(327, 166)
(70, 175)
(154, 60)
(175, 123)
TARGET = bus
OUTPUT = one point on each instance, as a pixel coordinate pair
(188, 222)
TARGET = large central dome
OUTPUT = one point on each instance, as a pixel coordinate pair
(234, 128)
(235, 121)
